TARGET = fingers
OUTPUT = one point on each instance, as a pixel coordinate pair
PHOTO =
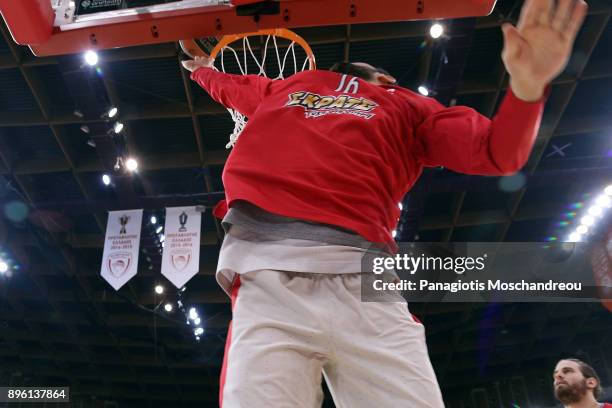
(190, 65)
(562, 14)
(512, 41)
(535, 12)
(204, 61)
(576, 19)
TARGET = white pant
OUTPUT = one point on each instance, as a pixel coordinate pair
(289, 328)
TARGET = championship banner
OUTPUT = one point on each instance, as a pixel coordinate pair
(121, 247)
(181, 257)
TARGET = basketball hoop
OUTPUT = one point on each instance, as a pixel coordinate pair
(236, 54)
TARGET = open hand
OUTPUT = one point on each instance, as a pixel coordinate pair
(539, 47)
(198, 62)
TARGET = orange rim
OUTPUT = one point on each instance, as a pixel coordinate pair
(191, 48)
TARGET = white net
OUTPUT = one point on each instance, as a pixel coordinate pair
(279, 57)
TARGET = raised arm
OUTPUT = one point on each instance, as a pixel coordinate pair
(535, 52)
(242, 93)
(462, 140)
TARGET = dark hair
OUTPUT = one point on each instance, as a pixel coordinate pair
(358, 71)
(588, 372)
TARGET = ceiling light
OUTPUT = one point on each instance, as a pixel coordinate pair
(423, 90)
(91, 58)
(595, 210)
(118, 127)
(106, 179)
(131, 164)
(193, 314)
(436, 30)
(197, 321)
(168, 307)
(3, 266)
(603, 201)
(608, 190)
(198, 331)
(587, 220)
(112, 112)
(153, 220)
(159, 229)
(574, 237)
(394, 233)
(159, 289)
(582, 229)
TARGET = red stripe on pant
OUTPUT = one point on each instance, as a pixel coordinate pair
(228, 341)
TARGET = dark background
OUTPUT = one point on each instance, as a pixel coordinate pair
(60, 323)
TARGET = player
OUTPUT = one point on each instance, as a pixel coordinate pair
(315, 179)
(577, 385)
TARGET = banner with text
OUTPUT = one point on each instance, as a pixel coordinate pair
(181, 257)
(121, 247)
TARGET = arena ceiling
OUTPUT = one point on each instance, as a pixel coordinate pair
(60, 323)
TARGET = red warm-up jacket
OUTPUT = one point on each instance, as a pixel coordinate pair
(334, 149)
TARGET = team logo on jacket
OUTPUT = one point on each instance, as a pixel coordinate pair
(317, 105)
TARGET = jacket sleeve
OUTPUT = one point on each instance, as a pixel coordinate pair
(242, 93)
(462, 140)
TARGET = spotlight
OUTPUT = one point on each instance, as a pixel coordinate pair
(112, 112)
(131, 164)
(603, 201)
(436, 30)
(153, 220)
(159, 289)
(3, 266)
(118, 127)
(91, 58)
(193, 314)
(168, 307)
(198, 331)
(582, 229)
(423, 90)
(106, 179)
(587, 220)
(85, 129)
(595, 210)
(197, 321)
(574, 237)
(159, 229)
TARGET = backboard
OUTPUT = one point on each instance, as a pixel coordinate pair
(55, 27)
